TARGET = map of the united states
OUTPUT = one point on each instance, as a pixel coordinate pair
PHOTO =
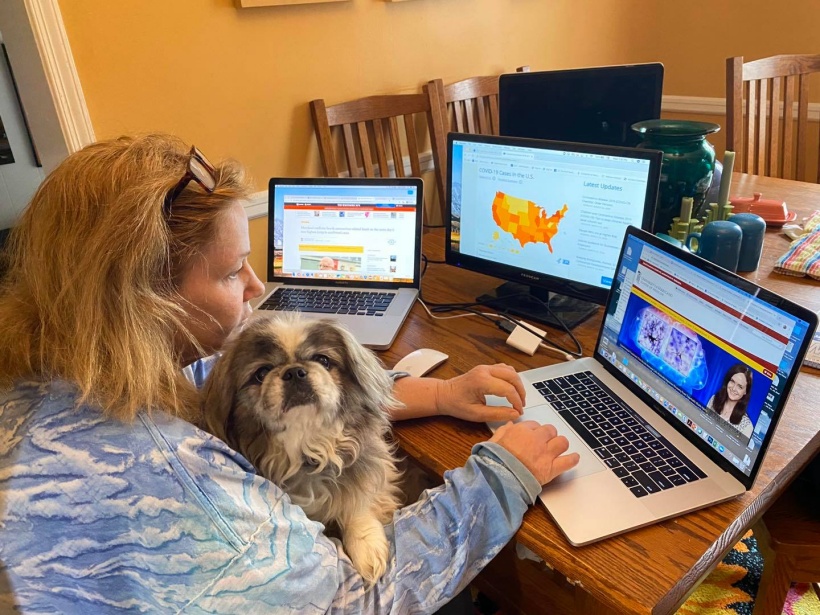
(525, 220)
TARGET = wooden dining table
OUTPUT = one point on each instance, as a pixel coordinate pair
(648, 570)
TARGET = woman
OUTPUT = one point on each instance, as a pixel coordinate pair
(130, 263)
(732, 398)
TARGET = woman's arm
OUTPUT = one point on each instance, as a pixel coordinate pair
(463, 397)
(440, 543)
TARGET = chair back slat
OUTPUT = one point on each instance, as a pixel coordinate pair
(482, 113)
(439, 126)
(350, 150)
(395, 146)
(762, 124)
(458, 116)
(751, 111)
(364, 148)
(323, 137)
(412, 146)
(774, 129)
(734, 109)
(802, 126)
(494, 127)
(765, 132)
(788, 127)
(381, 147)
(470, 115)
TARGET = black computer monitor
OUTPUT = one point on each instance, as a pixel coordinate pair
(587, 105)
(547, 216)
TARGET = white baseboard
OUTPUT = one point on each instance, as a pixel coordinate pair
(257, 205)
(701, 105)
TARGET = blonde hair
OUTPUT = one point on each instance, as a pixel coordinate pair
(90, 294)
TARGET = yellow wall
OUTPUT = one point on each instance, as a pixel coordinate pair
(237, 81)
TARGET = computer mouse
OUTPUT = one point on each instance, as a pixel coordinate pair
(420, 361)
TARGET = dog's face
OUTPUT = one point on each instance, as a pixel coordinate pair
(291, 380)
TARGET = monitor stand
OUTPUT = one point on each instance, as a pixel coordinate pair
(508, 298)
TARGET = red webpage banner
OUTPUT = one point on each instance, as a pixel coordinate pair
(766, 367)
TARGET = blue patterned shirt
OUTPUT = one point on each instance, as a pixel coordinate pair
(157, 516)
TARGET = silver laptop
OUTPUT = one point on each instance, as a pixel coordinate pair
(346, 249)
(675, 410)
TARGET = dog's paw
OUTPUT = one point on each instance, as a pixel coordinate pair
(366, 544)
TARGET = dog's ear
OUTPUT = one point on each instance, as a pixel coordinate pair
(218, 396)
(368, 371)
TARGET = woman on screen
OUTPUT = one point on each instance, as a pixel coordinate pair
(732, 398)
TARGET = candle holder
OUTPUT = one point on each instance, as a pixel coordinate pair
(687, 222)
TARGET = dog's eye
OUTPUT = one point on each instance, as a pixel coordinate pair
(259, 374)
(322, 360)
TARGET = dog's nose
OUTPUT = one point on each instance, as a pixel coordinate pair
(295, 372)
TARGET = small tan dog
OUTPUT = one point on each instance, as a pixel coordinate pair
(307, 405)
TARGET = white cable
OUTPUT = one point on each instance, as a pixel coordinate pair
(564, 355)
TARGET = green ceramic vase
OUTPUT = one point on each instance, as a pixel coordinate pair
(688, 164)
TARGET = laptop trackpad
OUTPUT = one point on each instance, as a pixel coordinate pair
(543, 413)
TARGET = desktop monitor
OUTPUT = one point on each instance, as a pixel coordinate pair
(549, 217)
(587, 105)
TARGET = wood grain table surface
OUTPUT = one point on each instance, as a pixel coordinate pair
(649, 570)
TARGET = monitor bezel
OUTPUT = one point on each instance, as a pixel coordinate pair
(771, 298)
(509, 83)
(578, 290)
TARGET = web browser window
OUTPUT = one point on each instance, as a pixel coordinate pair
(349, 232)
(713, 355)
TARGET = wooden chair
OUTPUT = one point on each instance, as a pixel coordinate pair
(788, 538)
(469, 105)
(378, 135)
(763, 137)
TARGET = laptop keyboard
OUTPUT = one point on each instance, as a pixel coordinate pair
(643, 459)
(324, 301)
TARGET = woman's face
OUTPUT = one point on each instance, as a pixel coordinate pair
(736, 387)
(220, 283)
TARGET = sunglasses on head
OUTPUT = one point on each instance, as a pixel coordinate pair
(199, 170)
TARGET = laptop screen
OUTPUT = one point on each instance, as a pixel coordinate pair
(718, 358)
(337, 230)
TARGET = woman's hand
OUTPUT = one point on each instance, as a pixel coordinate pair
(464, 396)
(538, 447)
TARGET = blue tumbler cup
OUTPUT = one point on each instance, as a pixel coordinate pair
(719, 242)
(751, 247)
